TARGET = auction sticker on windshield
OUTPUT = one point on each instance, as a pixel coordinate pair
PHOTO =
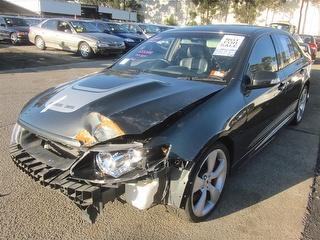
(228, 45)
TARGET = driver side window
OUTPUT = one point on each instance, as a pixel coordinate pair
(64, 27)
(263, 56)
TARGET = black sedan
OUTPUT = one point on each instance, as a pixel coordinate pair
(14, 29)
(168, 121)
(130, 39)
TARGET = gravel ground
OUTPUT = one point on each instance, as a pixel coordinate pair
(264, 199)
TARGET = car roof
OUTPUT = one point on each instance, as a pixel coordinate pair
(249, 30)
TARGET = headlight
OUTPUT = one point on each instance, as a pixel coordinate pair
(21, 33)
(118, 163)
(129, 40)
(102, 44)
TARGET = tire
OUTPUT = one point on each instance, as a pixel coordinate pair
(14, 39)
(85, 50)
(207, 185)
(303, 98)
(39, 42)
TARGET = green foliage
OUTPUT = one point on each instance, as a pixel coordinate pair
(210, 8)
(170, 21)
(246, 11)
(192, 16)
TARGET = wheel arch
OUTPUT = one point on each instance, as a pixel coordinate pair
(182, 184)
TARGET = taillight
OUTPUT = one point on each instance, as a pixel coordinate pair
(313, 45)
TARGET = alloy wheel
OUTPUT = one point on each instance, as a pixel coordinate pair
(40, 43)
(302, 104)
(14, 38)
(209, 183)
(85, 50)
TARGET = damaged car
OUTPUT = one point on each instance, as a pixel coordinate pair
(167, 122)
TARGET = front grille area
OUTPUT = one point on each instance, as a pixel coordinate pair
(87, 197)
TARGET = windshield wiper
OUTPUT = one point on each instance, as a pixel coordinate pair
(205, 79)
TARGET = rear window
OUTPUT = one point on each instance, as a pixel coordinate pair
(50, 24)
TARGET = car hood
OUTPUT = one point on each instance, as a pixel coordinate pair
(104, 37)
(20, 28)
(128, 103)
(131, 35)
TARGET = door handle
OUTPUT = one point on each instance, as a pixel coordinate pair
(282, 86)
(301, 71)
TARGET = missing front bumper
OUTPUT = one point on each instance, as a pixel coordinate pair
(89, 198)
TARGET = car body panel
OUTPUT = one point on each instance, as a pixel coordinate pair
(135, 103)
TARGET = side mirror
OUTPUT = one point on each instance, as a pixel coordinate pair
(106, 31)
(140, 32)
(263, 79)
(67, 31)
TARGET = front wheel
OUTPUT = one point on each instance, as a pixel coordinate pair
(303, 98)
(208, 180)
(85, 50)
(14, 38)
(39, 42)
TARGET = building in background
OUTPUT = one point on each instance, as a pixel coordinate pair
(157, 11)
(56, 8)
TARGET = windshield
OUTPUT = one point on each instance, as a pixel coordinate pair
(15, 22)
(204, 57)
(117, 28)
(84, 27)
(150, 28)
(32, 22)
(132, 28)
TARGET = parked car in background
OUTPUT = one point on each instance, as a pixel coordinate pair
(285, 26)
(130, 39)
(149, 29)
(33, 21)
(309, 39)
(75, 36)
(167, 122)
(317, 41)
(304, 46)
(165, 27)
(14, 29)
(134, 28)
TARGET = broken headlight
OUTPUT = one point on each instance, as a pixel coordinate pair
(118, 163)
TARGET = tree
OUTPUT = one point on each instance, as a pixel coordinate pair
(208, 9)
(170, 21)
(246, 11)
(192, 21)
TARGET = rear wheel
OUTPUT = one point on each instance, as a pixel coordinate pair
(85, 50)
(303, 98)
(39, 42)
(208, 179)
(14, 38)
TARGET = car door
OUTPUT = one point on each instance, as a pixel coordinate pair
(66, 37)
(262, 104)
(293, 70)
(48, 32)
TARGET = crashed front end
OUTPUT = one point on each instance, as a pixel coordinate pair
(92, 173)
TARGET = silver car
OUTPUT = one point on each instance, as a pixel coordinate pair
(75, 36)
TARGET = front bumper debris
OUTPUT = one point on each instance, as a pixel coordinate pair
(89, 198)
